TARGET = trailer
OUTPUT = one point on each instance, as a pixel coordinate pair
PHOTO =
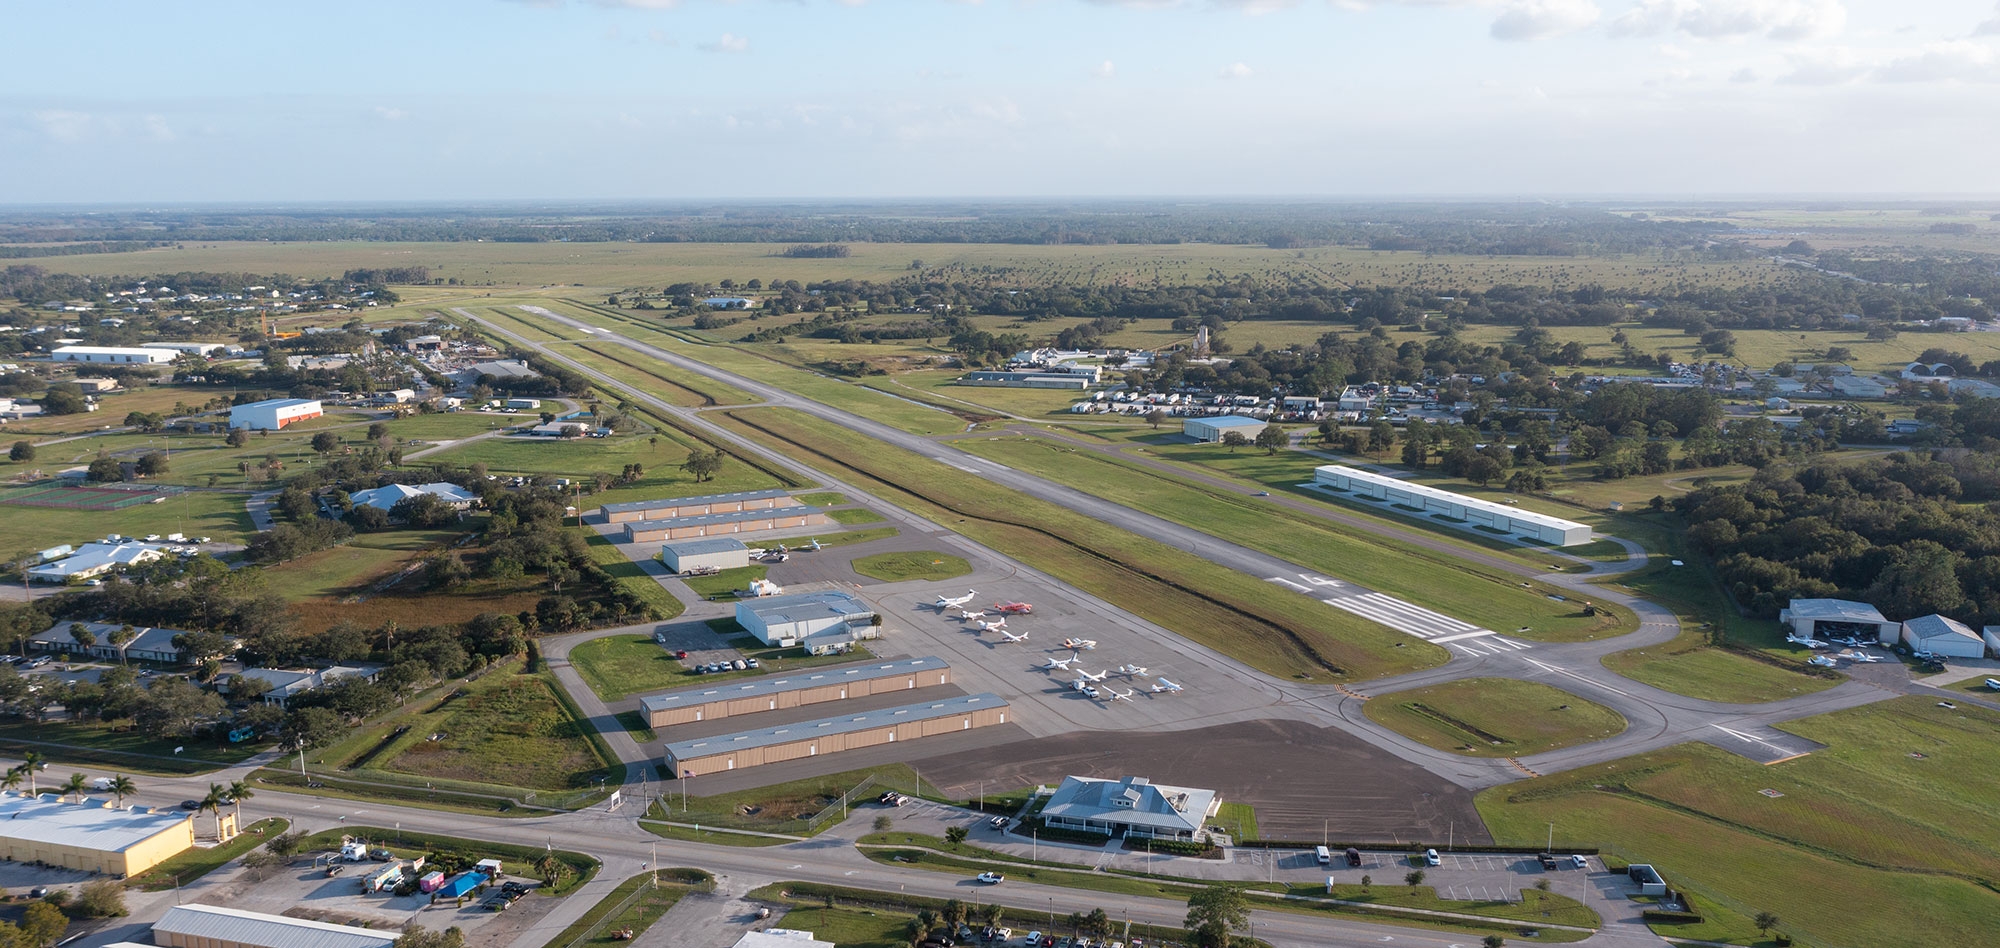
(430, 882)
(388, 877)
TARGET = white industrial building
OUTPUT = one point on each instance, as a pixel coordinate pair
(386, 498)
(1211, 430)
(704, 553)
(203, 349)
(780, 938)
(1130, 806)
(1830, 618)
(274, 413)
(213, 926)
(1944, 636)
(801, 618)
(113, 355)
(94, 559)
(1435, 501)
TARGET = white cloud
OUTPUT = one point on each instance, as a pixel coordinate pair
(1990, 27)
(158, 129)
(391, 114)
(1105, 70)
(1675, 53)
(1746, 74)
(1235, 71)
(63, 125)
(1827, 67)
(1539, 19)
(1732, 19)
(728, 43)
(1960, 61)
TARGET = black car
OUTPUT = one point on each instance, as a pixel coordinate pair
(190, 804)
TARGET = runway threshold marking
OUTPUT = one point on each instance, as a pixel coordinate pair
(1750, 738)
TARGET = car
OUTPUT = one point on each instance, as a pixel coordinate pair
(1548, 861)
(750, 662)
(190, 804)
(1431, 858)
(152, 538)
(335, 869)
(38, 891)
(1578, 862)
(201, 539)
(1261, 493)
(496, 905)
(998, 822)
(682, 654)
(1032, 938)
(991, 878)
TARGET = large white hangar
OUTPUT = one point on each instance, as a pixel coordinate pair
(1431, 500)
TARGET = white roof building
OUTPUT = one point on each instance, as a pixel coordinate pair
(213, 926)
(1828, 618)
(113, 355)
(1943, 635)
(800, 618)
(286, 685)
(1130, 806)
(1436, 501)
(780, 938)
(385, 498)
(94, 559)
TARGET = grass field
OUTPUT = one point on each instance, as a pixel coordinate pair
(854, 516)
(217, 515)
(711, 835)
(185, 868)
(1290, 636)
(116, 745)
(681, 388)
(1494, 717)
(851, 928)
(660, 894)
(1447, 584)
(925, 564)
(1896, 811)
(506, 728)
(726, 582)
(619, 665)
(631, 576)
(778, 808)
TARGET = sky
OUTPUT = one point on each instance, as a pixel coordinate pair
(110, 101)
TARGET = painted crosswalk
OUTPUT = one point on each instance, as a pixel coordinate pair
(1399, 615)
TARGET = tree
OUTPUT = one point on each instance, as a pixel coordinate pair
(1213, 913)
(175, 708)
(1272, 438)
(703, 465)
(1155, 417)
(1766, 921)
(121, 787)
(237, 437)
(1493, 941)
(22, 451)
(104, 471)
(883, 824)
(378, 431)
(954, 914)
(1234, 440)
(100, 898)
(552, 870)
(152, 464)
(955, 834)
(81, 634)
(326, 442)
(121, 637)
(310, 727)
(75, 785)
(43, 924)
(1413, 878)
(12, 779)
(33, 761)
(286, 845)
(416, 936)
(1482, 470)
(1367, 881)
(240, 791)
(213, 801)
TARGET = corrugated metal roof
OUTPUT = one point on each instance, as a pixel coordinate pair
(90, 825)
(703, 545)
(779, 610)
(795, 682)
(691, 501)
(845, 724)
(727, 516)
(268, 931)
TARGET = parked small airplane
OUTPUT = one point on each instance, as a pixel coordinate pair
(1858, 655)
(813, 545)
(964, 616)
(1166, 687)
(1822, 661)
(944, 602)
(1013, 608)
(1117, 695)
(1062, 663)
(1132, 671)
(1993, 683)
(1807, 642)
(1079, 644)
(994, 626)
(1011, 637)
(1097, 677)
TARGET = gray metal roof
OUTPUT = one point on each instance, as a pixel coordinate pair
(1939, 627)
(847, 724)
(799, 607)
(1838, 610)
(689, 501)
(88, 825)
(267, 931)
(703, 545)
(771, 686)
(1134, 801)
(730, 516)
(1225, 421)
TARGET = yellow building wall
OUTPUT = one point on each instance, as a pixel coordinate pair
(136, 859)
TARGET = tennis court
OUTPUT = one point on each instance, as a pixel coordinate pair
(67, 497)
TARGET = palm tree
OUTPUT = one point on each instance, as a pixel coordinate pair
(12, 778)
(32, 761)
(239, 792)
(122, 785)
(76, 784)
(213, 802)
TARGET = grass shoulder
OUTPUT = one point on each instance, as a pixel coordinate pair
(901, 566)
(632, 907)
(711, 835)
(1494, 717)
(191, 865)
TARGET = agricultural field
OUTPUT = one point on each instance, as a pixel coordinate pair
(1755, 348)
(1441, 582)
(1494, 717)
(1896, 811)
(507, 728)
(1289, 636)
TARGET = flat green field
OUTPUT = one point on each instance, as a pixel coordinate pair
(778, 808)
(637, 917)
(505, 729)
(727, 581)
(631, 576)
(1436, 581)
(581, 458)
(682, 388)
(896, 567)
(851, 928)
(218, 515)
(619, 665)
(1494, 717)
(1896, 811)
(114, 745)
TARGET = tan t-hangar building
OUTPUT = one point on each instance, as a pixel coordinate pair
(724, 523)
(708, 755)
(792, 691)
(93, 835)
(672, 507)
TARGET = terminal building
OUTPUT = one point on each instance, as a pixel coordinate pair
(91, 836)
(1131, 806)
(792, 691)
(273, 413)
(213, 926)
(672, 507)
(723, 524)
(1433, 501)
(774, 745)
(1211, 430)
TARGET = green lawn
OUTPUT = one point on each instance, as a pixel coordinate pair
(779, 808)
(217, 515)
(631, 576)
(853, 516)
(1896, 811)
(851, 928)
(638, 916)
(1449, 585)
(823, 499)
(360, 562)
(1494, 717)
(1290, 636)
(619, 665)
(847, 537)
(1688, 664)
(116, 745)
(726, 582)
(191, 865)
(1239, 820)
(923, 564)
(507, 729)
(709, 835)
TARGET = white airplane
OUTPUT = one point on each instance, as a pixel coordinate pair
(813, 545)
(1860, 656)
(1062, 663)
(1807, 642)
(753, 551)
(1088, 676)
(1079, 644)
(1822, 661)
(1011, 637)
(969, 616)
(944, 603)
(996, 625)
(1117, 695)
(1132, 671)
(1993, 683)
(1166, 687)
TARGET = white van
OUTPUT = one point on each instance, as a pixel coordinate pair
(1324, 856)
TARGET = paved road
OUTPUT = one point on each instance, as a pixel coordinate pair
(1658, 718)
